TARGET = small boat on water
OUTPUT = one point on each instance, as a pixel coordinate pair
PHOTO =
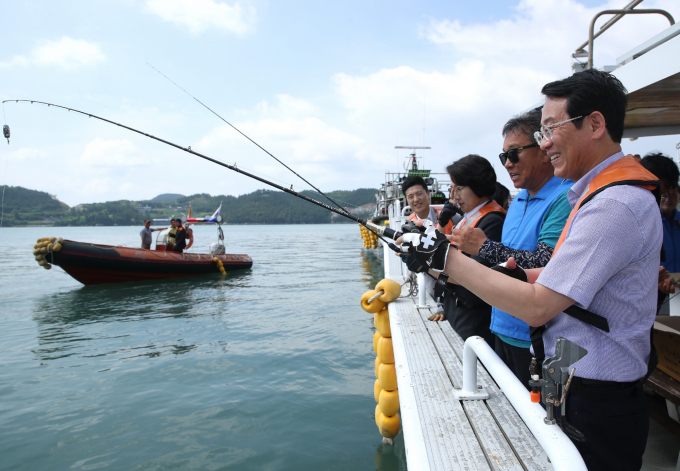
(95, 264)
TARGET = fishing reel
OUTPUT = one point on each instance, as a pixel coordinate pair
(552, 389)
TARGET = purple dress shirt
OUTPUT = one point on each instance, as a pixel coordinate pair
(608, 264)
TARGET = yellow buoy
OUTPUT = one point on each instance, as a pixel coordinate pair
(377, 416)
(382, 323)
(389, 425)
(377, 367)
(50, 246)
(385, 352)
(376, 336)
(39, 257)
(60, 240)
(375, 306)
(51, 239)
(42, 263)
(387, 374)
(36, 251)
(388, 402)
(57, 247)
(392, 290)
(376, 390)
(47, 267)
(43, 250)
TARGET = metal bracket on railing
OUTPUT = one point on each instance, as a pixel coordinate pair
(619, 14)
(470, 390)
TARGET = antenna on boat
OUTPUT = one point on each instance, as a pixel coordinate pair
(243, 134)
(413, 161)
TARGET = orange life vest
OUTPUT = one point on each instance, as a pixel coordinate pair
(490, 207)
(625, 171)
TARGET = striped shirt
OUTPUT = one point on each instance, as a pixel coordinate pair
(608, 264)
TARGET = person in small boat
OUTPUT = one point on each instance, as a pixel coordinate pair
(190, 236)
(171, 235)
(146, 234)
(180, 237)
(474, 184)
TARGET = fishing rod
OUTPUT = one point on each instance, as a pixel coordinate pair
(244, 135)
(378, 230)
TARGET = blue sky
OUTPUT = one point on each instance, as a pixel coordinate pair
(328, 87)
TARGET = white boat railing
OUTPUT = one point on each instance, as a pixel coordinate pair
(562, 453)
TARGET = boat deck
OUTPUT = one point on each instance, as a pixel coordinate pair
(440, 432)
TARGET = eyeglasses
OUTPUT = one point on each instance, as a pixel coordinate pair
(546, 131)
(457, 190)
(513, 154)
(668, 196)
(413, 195)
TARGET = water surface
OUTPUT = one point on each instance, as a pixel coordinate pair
(263, 369)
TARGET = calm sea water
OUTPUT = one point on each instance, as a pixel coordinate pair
(266, 369)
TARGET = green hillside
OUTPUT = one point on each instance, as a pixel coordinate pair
(24, 207)
(29, 207)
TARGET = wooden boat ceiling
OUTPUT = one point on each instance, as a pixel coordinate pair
(662, 94)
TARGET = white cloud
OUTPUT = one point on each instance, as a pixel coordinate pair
(101, 153)
(200, 15)
(66, 53)
(534, 39)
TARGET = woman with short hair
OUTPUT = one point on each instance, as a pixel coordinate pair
(473, 183)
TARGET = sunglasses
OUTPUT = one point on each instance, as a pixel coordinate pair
(513, 154)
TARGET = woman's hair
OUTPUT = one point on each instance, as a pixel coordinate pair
(502, 195)
(475, 172)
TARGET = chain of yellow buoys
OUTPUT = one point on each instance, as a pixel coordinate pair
(220, 265)
(370, 238)
(385, 389)
(45, 245)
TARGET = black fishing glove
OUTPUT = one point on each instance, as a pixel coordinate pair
(428, 248)
(411, 227)
(412, 264)
(518, 273)
(448, 211)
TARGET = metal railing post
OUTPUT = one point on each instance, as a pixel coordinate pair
(562, 453)
(619, 13)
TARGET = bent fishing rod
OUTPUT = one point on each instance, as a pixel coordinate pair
(378, 230)
(244, 135)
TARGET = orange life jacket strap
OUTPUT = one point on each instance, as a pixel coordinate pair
(625, 171)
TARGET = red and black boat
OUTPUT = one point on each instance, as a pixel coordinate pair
(93, 264)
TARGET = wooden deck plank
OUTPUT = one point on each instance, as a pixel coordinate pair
(521, 439)
(453, 443)
(499, 452)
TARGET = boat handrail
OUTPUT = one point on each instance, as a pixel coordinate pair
(619, 14)
(560, 449)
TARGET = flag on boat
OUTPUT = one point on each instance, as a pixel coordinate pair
(215, 218)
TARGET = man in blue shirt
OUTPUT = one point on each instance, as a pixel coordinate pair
(530, 231)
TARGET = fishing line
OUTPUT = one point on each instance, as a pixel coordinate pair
(5, 130)
(377, 230)
(243, 134)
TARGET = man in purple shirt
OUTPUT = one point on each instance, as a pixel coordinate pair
(606, 261)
